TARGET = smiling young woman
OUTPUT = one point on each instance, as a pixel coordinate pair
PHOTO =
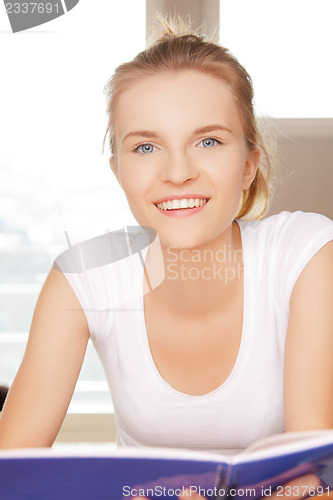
(234, 343)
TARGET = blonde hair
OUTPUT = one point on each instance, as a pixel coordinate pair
(176, 47)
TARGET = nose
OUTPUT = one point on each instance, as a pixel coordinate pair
(179, 168)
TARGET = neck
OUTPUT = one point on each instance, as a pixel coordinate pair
(201, 280)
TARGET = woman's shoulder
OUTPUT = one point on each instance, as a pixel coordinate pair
(302, 220)
(288, 225)
(287, 237)
(284, 243)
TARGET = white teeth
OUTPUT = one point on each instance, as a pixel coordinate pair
(183, 203)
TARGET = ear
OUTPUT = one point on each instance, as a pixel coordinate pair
(250, 168)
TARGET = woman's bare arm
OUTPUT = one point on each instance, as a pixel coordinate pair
(40, 394)
(309, 347)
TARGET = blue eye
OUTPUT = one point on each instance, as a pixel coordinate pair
(209, 142)
(144, 148)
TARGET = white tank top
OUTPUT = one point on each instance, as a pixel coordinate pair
(249, 404)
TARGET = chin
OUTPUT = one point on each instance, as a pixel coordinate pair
(182, 240)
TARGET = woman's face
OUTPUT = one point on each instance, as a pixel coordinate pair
(179, 137)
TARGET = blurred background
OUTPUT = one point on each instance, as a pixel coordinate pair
(55, 183)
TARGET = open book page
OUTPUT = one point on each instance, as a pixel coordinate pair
(271, 463)
(280, 444)
(102, 451)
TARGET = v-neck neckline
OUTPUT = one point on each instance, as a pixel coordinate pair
(242, 350)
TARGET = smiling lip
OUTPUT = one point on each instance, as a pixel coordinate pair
(181, 197)
(172, 206)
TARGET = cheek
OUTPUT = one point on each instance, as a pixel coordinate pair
(127, 175)
(134, 181)
(228, 171)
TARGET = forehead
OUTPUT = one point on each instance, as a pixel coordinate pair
(176, 102)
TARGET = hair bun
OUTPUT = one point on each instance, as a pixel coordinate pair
(169, 26)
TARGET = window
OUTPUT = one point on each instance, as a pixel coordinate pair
(286, 48)
(54, 181)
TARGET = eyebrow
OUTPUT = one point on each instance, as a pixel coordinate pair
(210, 128)
(200, 130)
(141, 133)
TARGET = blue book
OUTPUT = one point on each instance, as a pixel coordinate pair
(99, 474)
